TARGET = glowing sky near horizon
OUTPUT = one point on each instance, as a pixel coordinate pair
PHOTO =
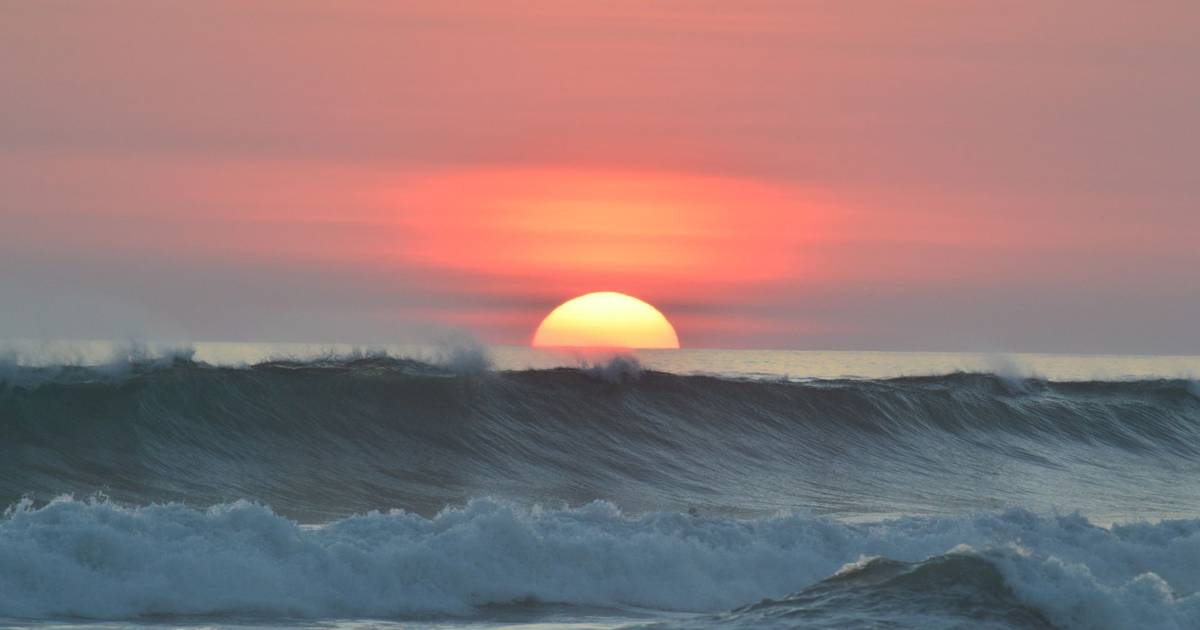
(928, 175)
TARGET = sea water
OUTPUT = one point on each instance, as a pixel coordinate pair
(268, 485)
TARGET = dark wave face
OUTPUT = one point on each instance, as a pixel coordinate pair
(943, 591)
(323, 439)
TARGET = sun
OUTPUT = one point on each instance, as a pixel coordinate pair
(605, 319)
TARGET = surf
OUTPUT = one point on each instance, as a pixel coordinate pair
(97, 559)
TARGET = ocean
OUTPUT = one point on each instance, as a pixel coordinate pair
(290, 485)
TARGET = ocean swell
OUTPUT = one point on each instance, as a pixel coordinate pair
(322, 439)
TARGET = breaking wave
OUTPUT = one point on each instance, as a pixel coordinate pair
(321, 439)
(349, 488)
(97, 559)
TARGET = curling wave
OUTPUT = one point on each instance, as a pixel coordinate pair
(323, 439)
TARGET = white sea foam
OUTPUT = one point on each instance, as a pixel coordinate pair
(100, 560)
(618, 368)
(462, 355)
(1076, 594)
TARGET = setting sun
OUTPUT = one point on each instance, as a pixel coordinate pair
(605, 319)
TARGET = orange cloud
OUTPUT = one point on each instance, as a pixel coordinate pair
(584, 230)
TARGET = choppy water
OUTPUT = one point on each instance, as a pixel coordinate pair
(690, 489)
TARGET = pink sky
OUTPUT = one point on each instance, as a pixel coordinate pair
(889, 175)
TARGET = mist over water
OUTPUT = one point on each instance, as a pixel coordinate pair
(465, 351)
(210, 482)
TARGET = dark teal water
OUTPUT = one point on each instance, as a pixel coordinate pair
(368, 489)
